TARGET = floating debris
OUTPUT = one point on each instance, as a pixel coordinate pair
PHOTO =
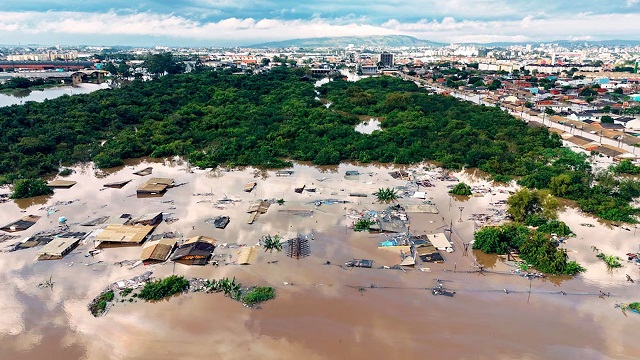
(219, 222)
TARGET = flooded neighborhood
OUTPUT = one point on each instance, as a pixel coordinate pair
(410, 285)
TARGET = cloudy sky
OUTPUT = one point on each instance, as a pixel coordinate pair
(241, 22)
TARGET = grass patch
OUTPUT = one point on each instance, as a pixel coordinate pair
(98, 306)
(259, 294)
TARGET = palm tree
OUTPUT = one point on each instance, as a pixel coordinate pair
(386, 195)
(272, 243)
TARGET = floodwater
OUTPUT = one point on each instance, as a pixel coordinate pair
(51, 93)
(321, 313)
(368, 126)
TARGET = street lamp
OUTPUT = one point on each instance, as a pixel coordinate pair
(461, 208)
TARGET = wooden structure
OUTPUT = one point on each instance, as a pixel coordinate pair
(298, 247)
(256, 208)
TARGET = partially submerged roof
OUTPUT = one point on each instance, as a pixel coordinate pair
(148, 219)
(117, 184)
(155, 186)
(194, 253)
(206, 239)
(21, 224)
(57, 248)
(124, 234)
(440, 241)
(144, 172)
(158, 250)
(248, 255)
(61, 183)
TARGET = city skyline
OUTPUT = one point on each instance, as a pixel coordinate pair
(229, 23)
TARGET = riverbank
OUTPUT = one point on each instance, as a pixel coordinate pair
(322, 310)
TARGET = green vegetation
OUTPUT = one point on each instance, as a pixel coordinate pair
(626, 167)
(26, 188)
(461, 189)
(635, 306)
(386, 195)
(230, 288)
(98, 306)
(532, 203)
(215, 117)
(271, 243)
(362, 225)
(65, 172)
(280, 201)
(535, 247)
(259, 294)
(611, 260)
(126, 292)
(161, 289)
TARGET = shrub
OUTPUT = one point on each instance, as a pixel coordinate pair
(26, 188)
(461, 189)
(161, 289)
(362, 225)
(259, 294)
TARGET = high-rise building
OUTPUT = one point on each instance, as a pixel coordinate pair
(386, 59)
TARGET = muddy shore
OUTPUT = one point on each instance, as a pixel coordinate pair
(319, 313)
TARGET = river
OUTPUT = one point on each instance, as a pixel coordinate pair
(316, 314)
(51, 93)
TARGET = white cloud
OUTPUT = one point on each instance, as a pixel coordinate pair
(112, 25)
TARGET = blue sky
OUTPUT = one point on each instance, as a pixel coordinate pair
(238, 22)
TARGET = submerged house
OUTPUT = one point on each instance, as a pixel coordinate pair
(196, 251)
(123, 235)
(57, 248)
(157, 251)
(155, 186)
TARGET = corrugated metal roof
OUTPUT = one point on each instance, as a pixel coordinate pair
(157, 250)
(58, 246)
(124, 233)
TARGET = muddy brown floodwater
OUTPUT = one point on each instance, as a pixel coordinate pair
(321, 311)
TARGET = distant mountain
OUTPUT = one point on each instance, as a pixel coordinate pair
(344, 41)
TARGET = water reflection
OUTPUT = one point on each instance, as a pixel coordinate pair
(21, 97)
(368, 126)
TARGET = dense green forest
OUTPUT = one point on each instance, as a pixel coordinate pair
(216, 117)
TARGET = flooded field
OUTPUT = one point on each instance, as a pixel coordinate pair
(322, 310)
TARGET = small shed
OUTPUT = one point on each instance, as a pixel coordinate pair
(57, 248)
